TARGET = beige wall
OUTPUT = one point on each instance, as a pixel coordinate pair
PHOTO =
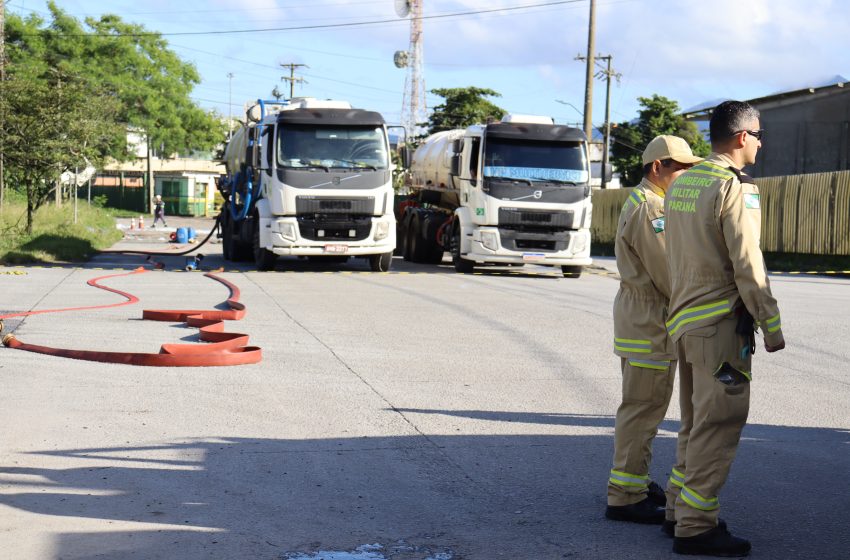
(807, 214)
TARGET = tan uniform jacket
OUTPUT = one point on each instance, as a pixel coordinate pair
(641, 302)
(713, 226)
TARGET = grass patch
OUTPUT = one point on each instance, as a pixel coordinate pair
(55, 236)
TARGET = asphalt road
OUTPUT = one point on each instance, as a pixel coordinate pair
(413, 415)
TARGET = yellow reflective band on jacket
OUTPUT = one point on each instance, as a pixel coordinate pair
(773, 324)
(625, 479)
(691, 314)
(636, 346)
(651, 364)
(637, 197)
(696, 501)
(711, 169)
(677, 478)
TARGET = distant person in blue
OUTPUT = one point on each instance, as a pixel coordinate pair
(158, 211)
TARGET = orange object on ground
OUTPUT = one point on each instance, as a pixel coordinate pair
(225, 348)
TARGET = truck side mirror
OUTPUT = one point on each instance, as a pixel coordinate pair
(454, 168)
(404, 154)
(457, 146)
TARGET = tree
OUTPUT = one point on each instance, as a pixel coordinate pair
(463, 107)
(127, 62)
(49, 126)
(658, 115)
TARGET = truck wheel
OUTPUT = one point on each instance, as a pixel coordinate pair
(263, 258)
(407, 224)
(434, 251)
(416, 244)
(461, 265)
(571, 271)
(226, 235)
(381, 262)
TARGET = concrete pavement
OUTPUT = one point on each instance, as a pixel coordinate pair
(414, 415)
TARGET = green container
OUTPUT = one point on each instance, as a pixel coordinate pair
(179, 200)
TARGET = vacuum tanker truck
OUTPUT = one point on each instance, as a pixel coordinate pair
(509, 192)
(308, 178)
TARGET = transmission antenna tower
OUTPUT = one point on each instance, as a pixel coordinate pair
(414, 110)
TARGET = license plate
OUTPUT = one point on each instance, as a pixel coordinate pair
(531, 257)
(336, 248)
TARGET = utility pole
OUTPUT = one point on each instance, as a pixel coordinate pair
(607, 73)
(291, 78)
(588, 83)
(229, 106)
(2, 79)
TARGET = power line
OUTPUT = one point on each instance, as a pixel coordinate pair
(324, 26)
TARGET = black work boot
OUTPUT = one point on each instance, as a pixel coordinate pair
(656, 494)
(642, 512)
(669, 527)
(716, 542)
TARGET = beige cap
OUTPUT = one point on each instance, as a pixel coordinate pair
(669, 147)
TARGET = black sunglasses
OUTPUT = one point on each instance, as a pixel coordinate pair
(757, 133)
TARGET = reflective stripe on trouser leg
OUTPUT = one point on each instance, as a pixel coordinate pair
(719, 414)
(646, 394)
(693, 499)
(674, 487)
(686, 407)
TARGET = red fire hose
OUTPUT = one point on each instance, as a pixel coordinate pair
(224, 348)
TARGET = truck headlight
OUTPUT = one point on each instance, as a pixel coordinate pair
(382, 230)
(488, 239)
(580, 243)
(287, 230)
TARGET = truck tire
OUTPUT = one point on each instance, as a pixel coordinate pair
(416, 242)
(381, 262)
(461, 265)
(433, 250)
(406, 225)
(226, 234)
(571, 271)
(263, 258)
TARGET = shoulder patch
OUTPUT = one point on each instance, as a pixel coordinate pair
(752, 201)
(743, 177)
(658, 224)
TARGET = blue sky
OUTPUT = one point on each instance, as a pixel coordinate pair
(687, 50)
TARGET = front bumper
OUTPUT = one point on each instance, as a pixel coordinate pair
(567, 248)
(287, 240)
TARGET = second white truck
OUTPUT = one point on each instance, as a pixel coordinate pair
(509, 192)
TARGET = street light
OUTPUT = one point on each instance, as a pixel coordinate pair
(229, 105)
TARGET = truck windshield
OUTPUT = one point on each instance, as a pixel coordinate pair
(323, 146)
(526, 160)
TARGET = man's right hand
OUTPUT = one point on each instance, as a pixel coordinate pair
(776, 348)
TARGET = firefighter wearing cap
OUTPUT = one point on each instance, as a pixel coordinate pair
(640, 337)
(719, 289)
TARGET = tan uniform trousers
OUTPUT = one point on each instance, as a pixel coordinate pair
(713, 415)
(646, 395)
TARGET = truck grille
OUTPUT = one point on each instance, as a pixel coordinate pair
(305, 205)
(521, 217)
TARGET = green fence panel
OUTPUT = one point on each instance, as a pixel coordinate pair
(606, 213)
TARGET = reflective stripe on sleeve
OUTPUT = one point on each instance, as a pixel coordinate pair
(651, 364)
(773, 324)
(696, 501)
(636, 346)
(677, 478)
(637, 197)
(713, 169)
(625, 479)
(691, 314)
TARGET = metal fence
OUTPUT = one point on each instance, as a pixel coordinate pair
(807, 214)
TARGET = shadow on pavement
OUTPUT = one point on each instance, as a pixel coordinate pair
(423, 497)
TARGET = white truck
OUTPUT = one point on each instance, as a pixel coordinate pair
(308, 178)
(509, 192)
